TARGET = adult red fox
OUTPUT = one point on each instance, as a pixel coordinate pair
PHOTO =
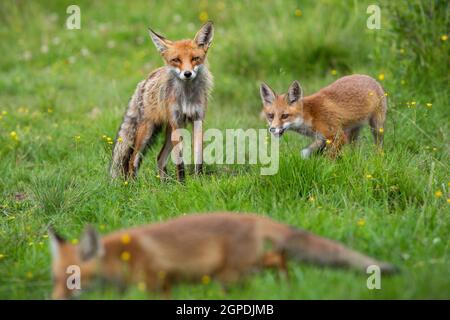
(171, 96)
(334, 115)
(223, 246)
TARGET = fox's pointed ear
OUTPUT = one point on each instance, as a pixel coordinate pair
(55, 242)
(295, 92)
(205, 35)
(160, 42)
(267, 94)
(90, 244)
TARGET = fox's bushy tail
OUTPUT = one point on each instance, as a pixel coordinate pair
(123, 145)
(306, 247)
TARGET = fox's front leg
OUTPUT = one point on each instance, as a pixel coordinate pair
(335, 141)
(177, 145)
(198, 146)
(317, 145)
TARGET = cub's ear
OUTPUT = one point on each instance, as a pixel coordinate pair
(205, 35)
(90, 245)
(55, 242)
(295, 92)
(267, 94)
(160, 42)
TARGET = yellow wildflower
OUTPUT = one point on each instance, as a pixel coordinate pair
(119, 139)
(125, 183)
(125, 256)
(298, 12)
(429, 104)
(203, 16)
(328, 141)
(311, 199)
(125, 238)
(29, 275)
(444, 37)
(369, 176)
(361, 222)
(206, 279)
(14, 136)
(142, 286)
(1, 256)
(381, 130)
(74, 241)
(49, 110)
(438, 194)
(334, 72)
(381, 76)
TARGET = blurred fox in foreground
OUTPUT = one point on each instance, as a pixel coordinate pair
(171, 96)
(223, 246)
(334, 115)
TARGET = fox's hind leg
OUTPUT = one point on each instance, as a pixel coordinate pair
(144, 133)
(353, 134)
(177, 145)
(163, 155)
(377, 120)
(276, 260)
(376, 123)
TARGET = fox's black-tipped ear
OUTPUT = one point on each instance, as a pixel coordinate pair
(267, 94)
(205, 35)
(295, 92)
(159, 41)
(90, 244)
(55, 242)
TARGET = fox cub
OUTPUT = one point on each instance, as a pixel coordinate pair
(334, 115)
(171, 96)
(223, 246)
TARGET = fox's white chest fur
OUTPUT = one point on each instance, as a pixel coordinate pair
(191, 95)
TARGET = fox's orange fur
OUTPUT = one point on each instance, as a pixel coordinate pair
(224, 246)
(333, 115)
(171, 96)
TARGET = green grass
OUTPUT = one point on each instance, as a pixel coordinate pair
(50, 176)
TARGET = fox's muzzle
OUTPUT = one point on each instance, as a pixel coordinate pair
(277, 132)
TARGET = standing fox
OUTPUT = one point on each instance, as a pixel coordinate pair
(334, 115)
(224, 246)
(171, 95)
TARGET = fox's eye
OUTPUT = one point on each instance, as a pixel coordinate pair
(270, 116)
(175, 60)
(196, 59)
(284, 116)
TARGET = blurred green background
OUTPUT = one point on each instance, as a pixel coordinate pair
(63, 94)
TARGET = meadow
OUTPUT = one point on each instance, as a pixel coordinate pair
(62, 97)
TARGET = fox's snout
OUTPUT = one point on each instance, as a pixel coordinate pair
(276, 131)
(186, 74)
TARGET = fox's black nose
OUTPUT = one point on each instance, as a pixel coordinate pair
(187, 74)
(272, 129)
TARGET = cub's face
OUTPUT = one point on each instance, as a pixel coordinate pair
(282, 111)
